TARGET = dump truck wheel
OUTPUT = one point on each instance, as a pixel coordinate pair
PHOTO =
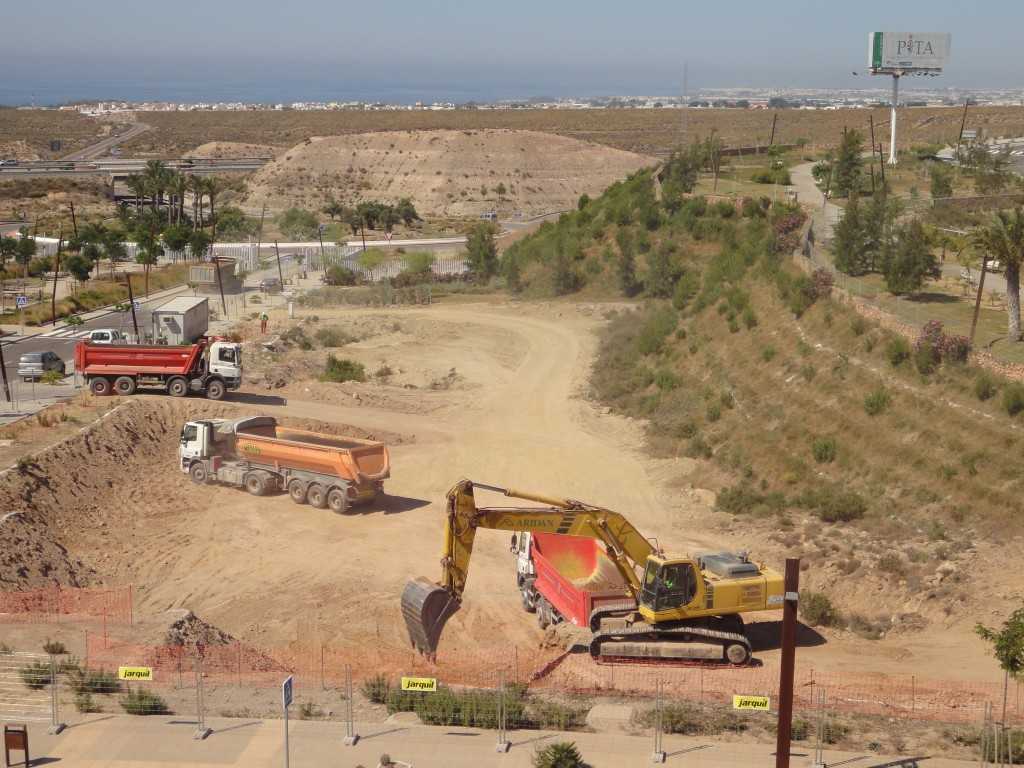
(254, 484)
(297, 491)
(529, 604)
(543, 620)
(215, 390)
(198, 473)
(337, 500)
(100, 386)
(124, 385)
(737, 653)
(177, 387)
(316, 497)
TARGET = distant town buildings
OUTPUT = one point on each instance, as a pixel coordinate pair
(737, 98)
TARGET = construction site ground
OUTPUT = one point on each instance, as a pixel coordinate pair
(494, 391)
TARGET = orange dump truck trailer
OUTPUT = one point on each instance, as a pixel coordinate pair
(260, 455)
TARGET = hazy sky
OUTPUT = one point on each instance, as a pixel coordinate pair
(514, 49)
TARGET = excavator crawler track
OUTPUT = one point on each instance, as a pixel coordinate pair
(673, 639)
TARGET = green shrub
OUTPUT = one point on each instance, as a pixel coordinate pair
(84, 703)
(35, 675)
(332, 336)
(897, 350)
(339, 370)
(51, 377)
(665, 380)
(891, 563)
(468, 708)
(309, 711)
(714, 412)
(54, 647)
(698, 448)
(560, 754)
(376, 689)
(833, 731)
(768, 353)
(1013, 398)
(926, 359)
(339, 275)
(985, 386)
(749, 318)
(858, 325)
(656, 327)
(863, 627)
(817, 610)
(824, 450)
(800, 729)
(90, 681)
(143, 702)
(808, 372)
(833, 503)
(878, 400)
(554, 716)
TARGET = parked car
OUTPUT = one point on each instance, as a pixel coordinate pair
(32, 365)
(106, 336)
(270, 285)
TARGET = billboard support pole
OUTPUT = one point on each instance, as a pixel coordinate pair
(892, 119)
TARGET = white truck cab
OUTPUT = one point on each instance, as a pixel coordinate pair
(526, 572)
(226, 361)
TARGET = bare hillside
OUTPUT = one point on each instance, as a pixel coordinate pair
(449, 173)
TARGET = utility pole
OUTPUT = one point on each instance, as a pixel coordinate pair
(771, 139)
(977, 300)
(871, 122)
(131, 303)
(280, 273)
(74, 222)
(963, 124)
(220, 285)
(790, 599)
(259, 237)
(3, 371)
(56, 271)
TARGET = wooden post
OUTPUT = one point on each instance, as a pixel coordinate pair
(74, 221)
(881, 163)
(871, 122)
(771, 139)
(963, 122)
(220, 283)
(784, 732)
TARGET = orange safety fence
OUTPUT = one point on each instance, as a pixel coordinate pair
(553, 671)
(55, 604)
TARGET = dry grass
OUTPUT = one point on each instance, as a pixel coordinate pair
(642, 131)
(38, 127)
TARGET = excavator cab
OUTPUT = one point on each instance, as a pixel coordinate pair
(669, 584)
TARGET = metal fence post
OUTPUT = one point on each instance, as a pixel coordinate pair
(659, 756)
(819, 757)
(503, 745)
(201, 730)
(56, 726)
(351, 737)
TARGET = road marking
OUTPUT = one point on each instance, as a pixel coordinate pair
(66, 333)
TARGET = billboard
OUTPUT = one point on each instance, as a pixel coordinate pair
(908, 51)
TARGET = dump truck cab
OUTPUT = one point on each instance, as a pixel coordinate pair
(225, 361)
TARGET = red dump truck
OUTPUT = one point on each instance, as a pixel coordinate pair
(211, 366)
(262, 456)
(567, 578)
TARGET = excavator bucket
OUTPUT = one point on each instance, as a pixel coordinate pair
(426, 607)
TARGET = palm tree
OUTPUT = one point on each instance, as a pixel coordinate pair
(149, 250)
(137, 185)
(179, 186)
(198, 188)
(1003, 239)
(214, 187)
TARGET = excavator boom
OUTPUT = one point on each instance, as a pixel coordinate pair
(427, 606)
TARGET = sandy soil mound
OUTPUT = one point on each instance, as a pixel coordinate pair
(17, 150)
(230, 149)
(450, 173)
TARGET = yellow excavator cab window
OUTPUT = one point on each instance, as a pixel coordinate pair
(668, 585)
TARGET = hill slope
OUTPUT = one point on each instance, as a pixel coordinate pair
(445, 173)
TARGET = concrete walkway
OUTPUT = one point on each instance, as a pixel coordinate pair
(825, 215)
(104, 740)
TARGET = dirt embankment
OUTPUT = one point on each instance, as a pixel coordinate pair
(445, 173)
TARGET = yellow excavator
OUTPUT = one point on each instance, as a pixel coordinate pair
(681, 607)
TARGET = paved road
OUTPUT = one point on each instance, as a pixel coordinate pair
(104, 146)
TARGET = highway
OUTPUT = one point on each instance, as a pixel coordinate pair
(103, 147)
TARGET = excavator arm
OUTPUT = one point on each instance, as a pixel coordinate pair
(427, 606)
